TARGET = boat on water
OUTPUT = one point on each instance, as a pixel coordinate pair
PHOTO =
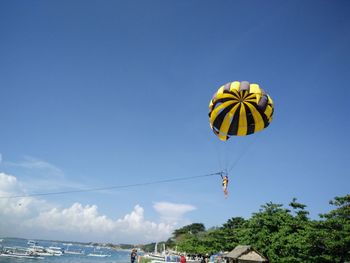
(98, 254)
(18, 252)
(56, 251)
(73, 251)
(32, 243)
(154, 256)
(39, 250)
(161, 257)
(44, 251)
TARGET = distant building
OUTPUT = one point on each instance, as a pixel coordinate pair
(245, 254)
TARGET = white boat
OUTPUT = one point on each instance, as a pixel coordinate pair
(153, 256)
(98, 254)
(39, 250)
(161, 257)
(31, 242)
(18, 252)
(56, 251)
(73, 251)
(94, 254)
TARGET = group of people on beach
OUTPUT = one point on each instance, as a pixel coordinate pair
(203, 259)
(134, 258)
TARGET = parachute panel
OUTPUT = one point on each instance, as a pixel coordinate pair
(240, 109)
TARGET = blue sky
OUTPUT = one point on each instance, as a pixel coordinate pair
(108, 93)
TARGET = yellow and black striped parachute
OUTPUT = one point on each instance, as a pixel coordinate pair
(239, 108)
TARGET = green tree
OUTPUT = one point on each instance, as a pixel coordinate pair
(277, 234)
(331, 239)
(228, 233)
(283, 235)
(189, 229)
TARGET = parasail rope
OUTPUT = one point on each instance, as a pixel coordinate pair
(112, 187)
(240, 156)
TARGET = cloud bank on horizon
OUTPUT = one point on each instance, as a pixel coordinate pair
(37, 218)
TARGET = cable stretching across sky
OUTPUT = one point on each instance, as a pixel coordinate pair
(112, 187)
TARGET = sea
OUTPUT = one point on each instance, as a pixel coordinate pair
(114, 256)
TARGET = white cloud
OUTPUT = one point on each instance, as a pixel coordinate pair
(8, 183)
(15, 211)
(171, 212)
(38, 174)
(37, 218)
(38, 165)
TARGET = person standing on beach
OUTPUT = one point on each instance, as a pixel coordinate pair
(133, 255)
(182, 259)
(205, 259)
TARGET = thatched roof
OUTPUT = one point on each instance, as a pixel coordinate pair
(238, 251)
(246, 253)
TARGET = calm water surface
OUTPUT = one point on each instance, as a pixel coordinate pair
(116, 256)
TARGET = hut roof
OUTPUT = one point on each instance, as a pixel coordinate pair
(246, 253)
(238, 251)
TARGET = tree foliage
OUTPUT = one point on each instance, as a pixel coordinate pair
(189, 229)
(281, 234)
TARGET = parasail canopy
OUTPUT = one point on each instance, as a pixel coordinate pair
(240, 109)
